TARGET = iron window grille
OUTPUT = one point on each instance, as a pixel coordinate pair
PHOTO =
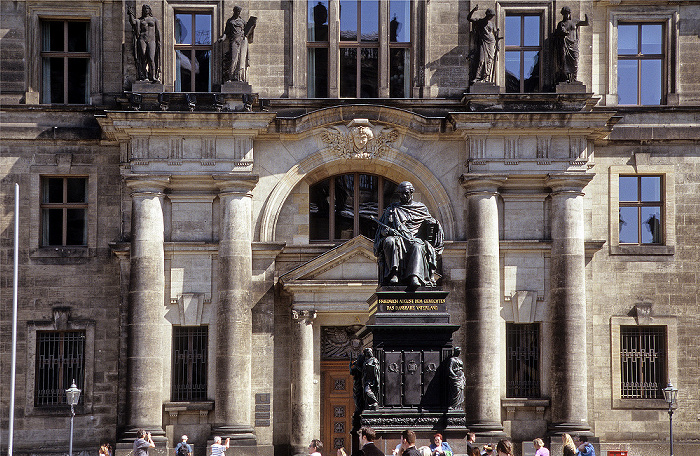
(642, 362)
(523, 360)
(60, 359)
(189, 371)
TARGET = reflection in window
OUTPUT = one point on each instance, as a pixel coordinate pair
(64, 211)
(193, 47)
(65, 56)
(640, 210)
(642, 361)
(317, 37)
(640, 64)
(523, 45)
(334, 203)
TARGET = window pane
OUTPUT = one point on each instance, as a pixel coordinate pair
(52, 226)
(400, 24)
(390, 195)
(369, 20)
(531, 29)
(513, 71)
(629, 224)
(76, 190)
(651, 225)
(53, 80)
(513, 31)
(183, 23)
(53, 36)
(183, 76)
(348, 20)
(399, 73)
(348, 72)
(368, 73)
(319, 210)
(78, 37)
(532, 71)
(202, 29)
(202, 67)
(318, 21)
(344, 206)
(627, 36)
(651, 188)
(652, 37)
(52, 191)
(627, 82)
(369, 204)
(651, 82)
(629, 189)
(318, 73)
(78, 81)
(75, 227)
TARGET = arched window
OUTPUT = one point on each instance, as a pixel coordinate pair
(334, 202)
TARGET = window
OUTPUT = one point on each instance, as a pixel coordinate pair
(60, 360)
(193, 49)
(641, 216)
(65, 57)
(642, 361)
(63, 211)
(333, 203)
(640, 63)
(361, 68)
(189, 374)
(523, 46)
(523, 360)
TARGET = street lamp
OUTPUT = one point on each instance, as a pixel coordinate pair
(72, 397)
(670, 395)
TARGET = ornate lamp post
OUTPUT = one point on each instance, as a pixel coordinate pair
(72, 397)
(670, 395)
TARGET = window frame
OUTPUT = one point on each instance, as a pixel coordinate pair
(669, 17)
(527, 326)
(66, 381)
(637, 333)
(639, 204)
(522, 48)
(639, 57)
(204, 373)
(64, 205)
(66, 55)
(192, 48)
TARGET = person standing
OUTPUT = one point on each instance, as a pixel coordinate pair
(183, 448)
(367, 436)
(584, 446)
(568, 449)
(408, 443)
(540, 450)
(315, 447)
(471, 437)
(217, 449)
(142, 443)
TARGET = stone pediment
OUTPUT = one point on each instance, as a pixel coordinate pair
(352, 261)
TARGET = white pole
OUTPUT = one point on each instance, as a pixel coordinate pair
(14, 324)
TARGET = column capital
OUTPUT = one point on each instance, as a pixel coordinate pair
(147, 184)
(568, 183)
(481, 183)
(304, 316)
(236, 184)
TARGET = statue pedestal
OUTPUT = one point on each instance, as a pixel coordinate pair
(146, 87)
(236, 87)
(481, 87)
(571, 87)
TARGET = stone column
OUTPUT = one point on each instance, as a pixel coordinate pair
(233, 328)
(567, 306)
(146, 308)
(482, 305)
(304, 418)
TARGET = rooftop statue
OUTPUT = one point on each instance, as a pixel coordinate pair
(146, 44)
(408, 242)
(566, 44)
(239, 33)
(486, 41)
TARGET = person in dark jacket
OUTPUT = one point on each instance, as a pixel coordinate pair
(367, 436)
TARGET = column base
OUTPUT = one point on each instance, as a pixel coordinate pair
(568, 428)
(240, 434)
(490, 429)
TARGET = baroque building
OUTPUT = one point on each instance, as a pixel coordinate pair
(196, 253)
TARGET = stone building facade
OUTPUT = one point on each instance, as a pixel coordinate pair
(199, 258)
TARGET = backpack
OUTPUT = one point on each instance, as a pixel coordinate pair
(183, 451)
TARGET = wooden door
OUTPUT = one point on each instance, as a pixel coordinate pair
(337, 406)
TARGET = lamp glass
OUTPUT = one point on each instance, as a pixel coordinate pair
(73, 394)
(670, 394)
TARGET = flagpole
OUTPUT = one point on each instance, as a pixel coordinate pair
(14, 324)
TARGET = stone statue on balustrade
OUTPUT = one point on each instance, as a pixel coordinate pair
(239, 33)
(408, 242)
(485, 52)
(146, 40)
(566, 38)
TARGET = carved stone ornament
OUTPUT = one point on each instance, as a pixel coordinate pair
(359, 139)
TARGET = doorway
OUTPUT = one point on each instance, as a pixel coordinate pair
(338, 405)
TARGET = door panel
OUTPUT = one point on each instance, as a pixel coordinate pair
(337, 405)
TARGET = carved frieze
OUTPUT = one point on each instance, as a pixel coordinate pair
(359, 139)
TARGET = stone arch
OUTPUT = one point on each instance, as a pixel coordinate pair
(393, 165)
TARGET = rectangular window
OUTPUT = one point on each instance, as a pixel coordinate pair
(640, 62)
(193, 49)
(60, 360)
(642, 361)
(641, 216)
(189, 380)
(317, 43)
(400, 49)
(65, 59)
(523, 46)
(523, 360)
(359, 41)
(64, 211)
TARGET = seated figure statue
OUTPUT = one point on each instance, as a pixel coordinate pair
(407, 242)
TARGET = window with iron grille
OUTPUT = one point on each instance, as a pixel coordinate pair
(64, 211)
(642, 361)
(60, 359)
(189, 379)
(523, 360)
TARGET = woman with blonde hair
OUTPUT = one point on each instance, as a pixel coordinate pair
(569, 448)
